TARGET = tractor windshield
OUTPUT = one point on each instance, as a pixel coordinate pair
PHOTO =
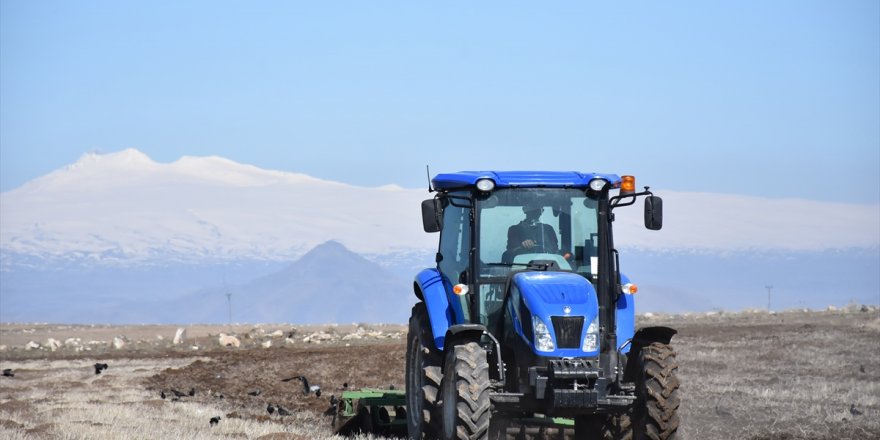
(519, 227)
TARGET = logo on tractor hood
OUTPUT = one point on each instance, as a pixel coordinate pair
(566, 309)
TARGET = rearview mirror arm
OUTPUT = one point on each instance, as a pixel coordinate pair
(614, 202)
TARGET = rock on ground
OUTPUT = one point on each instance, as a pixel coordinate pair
(179, 336)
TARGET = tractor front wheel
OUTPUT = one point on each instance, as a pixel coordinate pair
(423, 377)
(654, 416)
(465, 392)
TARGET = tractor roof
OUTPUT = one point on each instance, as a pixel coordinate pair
(523, 179)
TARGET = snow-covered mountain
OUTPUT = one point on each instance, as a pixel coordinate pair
(115, 227)
(125, 209)
(726, 223)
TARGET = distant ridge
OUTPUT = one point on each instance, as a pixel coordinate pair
(328, 284)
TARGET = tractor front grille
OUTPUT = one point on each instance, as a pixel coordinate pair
(568, 330)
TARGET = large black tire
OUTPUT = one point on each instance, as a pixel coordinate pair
(655, 413)
(423, 377)
(465, 392)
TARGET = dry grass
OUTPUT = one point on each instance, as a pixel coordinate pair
(750, 376)
(786, 376)
(64, 399)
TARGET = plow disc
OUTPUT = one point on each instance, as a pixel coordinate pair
(372, 411)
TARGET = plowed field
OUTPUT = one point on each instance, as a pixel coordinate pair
(793, 375)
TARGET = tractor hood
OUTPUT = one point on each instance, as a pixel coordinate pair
(559, 299)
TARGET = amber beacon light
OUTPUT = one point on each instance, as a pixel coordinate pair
(628, 185)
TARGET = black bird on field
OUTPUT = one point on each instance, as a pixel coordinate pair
(99, 367)
(215, 420)
(333, 409)
(853, 410)
(302, 379)
(192, 392)
(270, 408)
(162, 394)
(307, 389)
(178, 393)
(8, 373)
(282, 411)
(255, 392)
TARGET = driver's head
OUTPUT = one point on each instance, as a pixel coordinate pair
(532, 211)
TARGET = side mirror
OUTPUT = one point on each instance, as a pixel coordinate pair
(431, 211)
(653, 213)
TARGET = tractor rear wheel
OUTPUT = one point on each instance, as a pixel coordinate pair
(655, 413)
(423, 377)
(465, 391)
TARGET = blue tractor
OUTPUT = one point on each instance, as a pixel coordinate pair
(527, 316)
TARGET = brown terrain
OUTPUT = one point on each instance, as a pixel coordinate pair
(750, 375)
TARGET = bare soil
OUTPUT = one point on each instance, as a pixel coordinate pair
(236, 374)
(758, 376)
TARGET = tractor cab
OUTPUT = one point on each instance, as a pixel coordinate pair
(495, 224)
(513, 229)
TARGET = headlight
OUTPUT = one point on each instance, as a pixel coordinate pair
(543, 340)
(597, 184)
(591, 340)
(485, 185)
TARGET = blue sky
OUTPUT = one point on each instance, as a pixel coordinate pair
(780, 99)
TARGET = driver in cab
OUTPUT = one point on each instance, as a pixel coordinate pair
(530, 236)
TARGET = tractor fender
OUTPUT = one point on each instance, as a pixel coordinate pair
(428, 287)
(464, 332)
(645, 336)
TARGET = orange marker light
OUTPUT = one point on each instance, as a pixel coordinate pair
(627, 184)
(460, 289)
(629, 288)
